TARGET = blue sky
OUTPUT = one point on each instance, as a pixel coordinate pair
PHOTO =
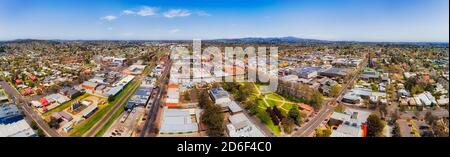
(361, 20)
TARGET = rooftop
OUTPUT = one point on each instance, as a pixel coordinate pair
(177, 121)
(16, 129)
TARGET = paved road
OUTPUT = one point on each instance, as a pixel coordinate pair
(31, 115)
(98, 126)
(326, 110)
(149, 128)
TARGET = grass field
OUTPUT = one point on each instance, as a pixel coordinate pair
(116, 114)
(270, 100)
(110, 121)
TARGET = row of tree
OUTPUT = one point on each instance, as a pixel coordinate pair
(211, 116)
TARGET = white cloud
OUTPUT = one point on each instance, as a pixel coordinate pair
(202, 13)
(173, 31)
(108, 18)
(147, 11)
(128, 12)
(177, 13)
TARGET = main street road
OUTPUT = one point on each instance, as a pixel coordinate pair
(98, 126)
(31, 115)
(149, 128)
(327, 109)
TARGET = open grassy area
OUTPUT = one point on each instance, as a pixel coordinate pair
(116, 114)
(80, 129)
(269, 124)
(110, 121)
(275, 128)
(274, 96)
(47, 114)
(270, 100)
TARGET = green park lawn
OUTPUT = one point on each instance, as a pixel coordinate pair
(270, 100)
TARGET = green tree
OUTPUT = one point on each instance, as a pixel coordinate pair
(375, 126)
(34, 125)
(294, 114)
(53, 123)
(316, 100)
(430, 118)
(213, 119)
(334, 91)
(416, 90)
(441, 129)
(264, 117)
(396, 130)
(374, 87)
(187, 96)
(252, 107)
(204, 99)
(40, 133)
(323, 132)
(339, 108)
(288, 125)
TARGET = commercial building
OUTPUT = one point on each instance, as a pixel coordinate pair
(173, 96)
(140, 98)
(118, 61)
(124, 81)
(334, 72)
(344, 62)
(70, 92)
(308, 72)
(427, 99)
(370, 74)
(351, 123)
(12, 123)
(219, 95)
(134, 69)
(176, 121)
(18, 128)
(89, 87)
(87, 112)
(356, 95)
(241, 126)
(9, 113)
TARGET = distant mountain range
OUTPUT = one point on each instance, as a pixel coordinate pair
(273, 40)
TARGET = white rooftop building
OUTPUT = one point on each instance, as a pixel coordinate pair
(178, 121)
(350, 123)
(16, 129)
(240, 126)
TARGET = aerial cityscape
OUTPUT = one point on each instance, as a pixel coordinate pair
(326, 68)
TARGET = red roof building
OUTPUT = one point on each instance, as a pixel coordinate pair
(305, 107)
(18, 82)
(27, 91)
(44, 101)
(31, 76)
